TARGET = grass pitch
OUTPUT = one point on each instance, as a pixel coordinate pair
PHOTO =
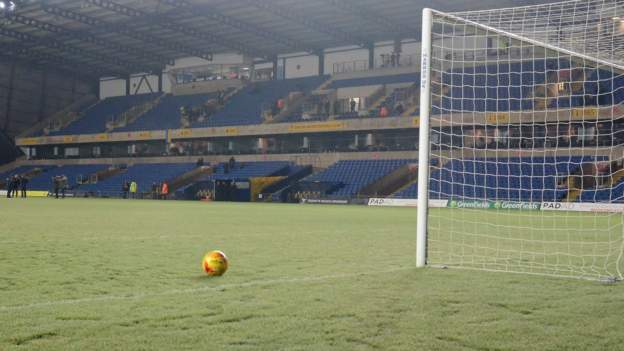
(82, 274)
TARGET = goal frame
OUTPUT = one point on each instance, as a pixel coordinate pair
(424, 146)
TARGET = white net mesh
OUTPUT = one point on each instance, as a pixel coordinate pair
(526, 136)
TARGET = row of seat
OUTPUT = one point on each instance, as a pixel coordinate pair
(531, 179)
(610, 194)
(503, 86)
(514, 86)
(356, 174)
(145, 175)
(95, 117)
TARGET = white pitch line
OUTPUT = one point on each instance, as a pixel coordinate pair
(196, 290)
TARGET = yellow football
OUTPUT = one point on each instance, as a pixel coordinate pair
(215, 263)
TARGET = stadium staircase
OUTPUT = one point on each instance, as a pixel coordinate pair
(106, 173)
(616, 178)
(62, 118)
(189, 178)
(273, 192)
(377, 98)
(76, 175)
(574, 188)
(144, 174)
(134, 113)
(355, 175)
(411, 111)
(403, 189)
(392, 182)
(24, 171)
(293, 104)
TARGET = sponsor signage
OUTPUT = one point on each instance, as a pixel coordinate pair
(374, 201)
(325, 201)
(502, 205)
(29, 193)
(231, 131)
(91, 138)
(584, 113)
(582, 207)
(315, 127)
(497, 118)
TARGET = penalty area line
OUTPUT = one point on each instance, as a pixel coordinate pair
(222, 287)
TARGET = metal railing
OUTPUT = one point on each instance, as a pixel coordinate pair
(350, 66)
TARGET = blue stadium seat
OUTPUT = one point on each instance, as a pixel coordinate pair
(95, 117)
(74, 173)
(532, 179)
(356, 174)
(377, 80)
(166, 115)
(143, 174)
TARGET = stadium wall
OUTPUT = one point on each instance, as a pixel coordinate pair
(295, 65)
(320, 160)
(8, 151)
(302, 66)
(113, 86)
(30, 93)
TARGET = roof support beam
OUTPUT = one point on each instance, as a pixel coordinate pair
(15, 51)
(43, 97)
(9, 99)
(370, 16)
(60, 46)
(101, 27)
(211, 13)
(85, 37)
(343, 38)
(170, 24)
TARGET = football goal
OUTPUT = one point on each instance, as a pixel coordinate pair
(522, 139)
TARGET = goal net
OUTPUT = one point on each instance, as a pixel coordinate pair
(521, 140)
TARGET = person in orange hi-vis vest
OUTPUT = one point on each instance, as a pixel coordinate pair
(164, 191)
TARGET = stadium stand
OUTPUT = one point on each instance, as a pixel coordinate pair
(95, 117)
(19, 170)
(247, 106)
(534, 179)
(246, 170)
(609, 195)
(353, 175)
(376, 80)
(520, 85)
(242, 171)
(75, 174)
(606, 187)
(144, 174)
(167, 115)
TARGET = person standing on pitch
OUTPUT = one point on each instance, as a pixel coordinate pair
(154, 191)
(64, 185)
(9, 186)
(17, 180)
(57, 186)
(24, 186)
(164, 191)
(133, 189)
(125, 188)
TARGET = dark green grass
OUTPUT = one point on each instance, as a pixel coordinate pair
(125, 275)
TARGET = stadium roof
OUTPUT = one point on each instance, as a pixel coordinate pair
(117, 37)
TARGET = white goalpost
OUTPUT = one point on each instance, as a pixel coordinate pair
(521, 140)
